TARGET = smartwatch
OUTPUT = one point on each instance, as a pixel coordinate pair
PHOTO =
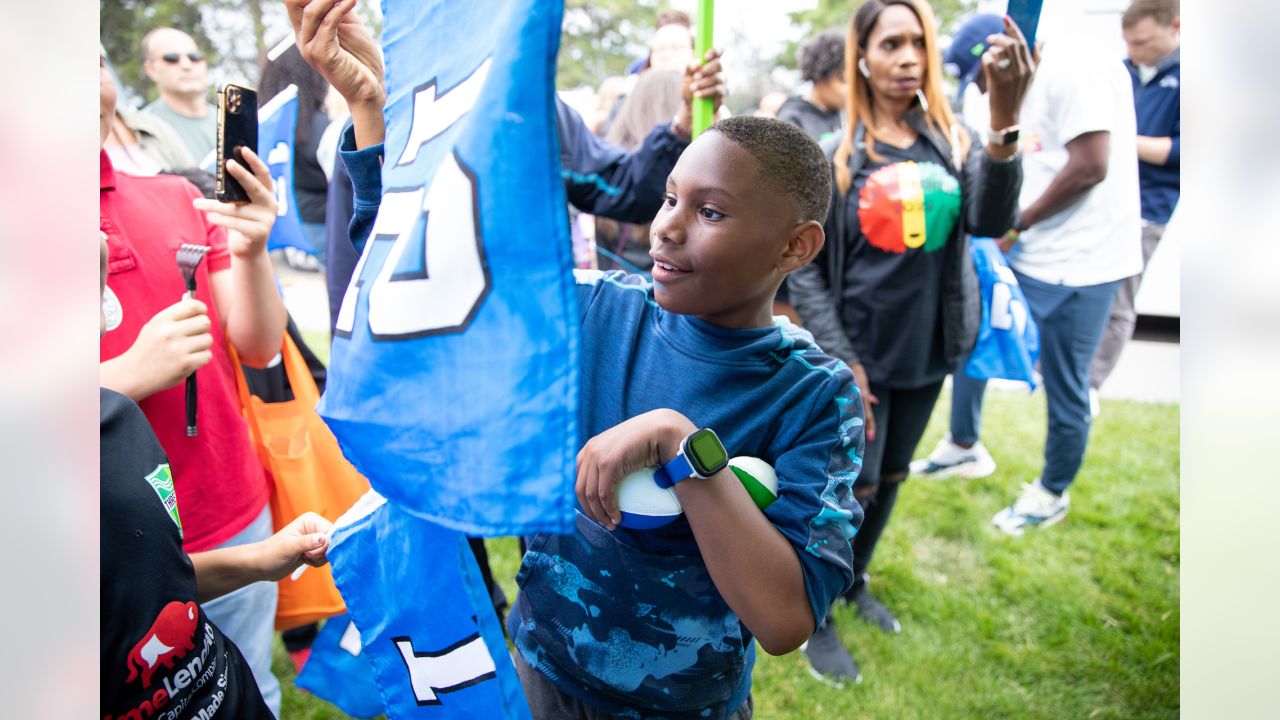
(1007, 136)
(701, 456)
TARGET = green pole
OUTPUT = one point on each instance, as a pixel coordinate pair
(702, 112)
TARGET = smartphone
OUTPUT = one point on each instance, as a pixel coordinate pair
(1026, 15)
(237, 129)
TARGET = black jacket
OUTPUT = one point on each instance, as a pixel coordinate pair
(990, 203)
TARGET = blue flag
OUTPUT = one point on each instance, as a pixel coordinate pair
(1008, 339)
(338, 671)
(426, 623)
(453, 381)
(276, 123)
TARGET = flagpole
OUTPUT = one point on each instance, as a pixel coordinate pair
(702, 111)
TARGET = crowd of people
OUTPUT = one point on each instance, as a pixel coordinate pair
(838, 231)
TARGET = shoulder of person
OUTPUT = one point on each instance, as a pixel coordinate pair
(801, 347)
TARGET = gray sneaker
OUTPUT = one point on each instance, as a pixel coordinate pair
(872, 610)
(829, 662)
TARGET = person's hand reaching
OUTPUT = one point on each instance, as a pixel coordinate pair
(335, 41)
(701, 80)
(248, 224)
(305, 540)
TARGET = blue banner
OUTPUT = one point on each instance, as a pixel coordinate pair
(453, 379)
(337, 670)
(1008, 339)
(427, 626)
(276, 123)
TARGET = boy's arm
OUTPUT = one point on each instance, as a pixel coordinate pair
(762, 581)
(225, 570)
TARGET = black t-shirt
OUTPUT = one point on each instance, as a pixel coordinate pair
(903, 211)
(310, 184)
(819, 124)
(161, 656)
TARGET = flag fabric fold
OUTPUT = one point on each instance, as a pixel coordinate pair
(276, 122)
(427, 628)
(453, 380)
(337, 670)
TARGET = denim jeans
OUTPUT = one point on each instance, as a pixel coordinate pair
(1071, 321)
(248, 616)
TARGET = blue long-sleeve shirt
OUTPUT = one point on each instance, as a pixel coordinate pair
(631, 622)
(1159, 110)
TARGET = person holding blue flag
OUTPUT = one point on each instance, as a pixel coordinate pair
(679, 373)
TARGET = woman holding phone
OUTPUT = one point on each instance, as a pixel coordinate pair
(894, 293)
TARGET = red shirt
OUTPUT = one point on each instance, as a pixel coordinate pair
(219, 481)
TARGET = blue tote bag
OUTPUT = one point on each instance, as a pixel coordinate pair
(1008, 340)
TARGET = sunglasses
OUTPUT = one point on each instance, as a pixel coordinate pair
(175, 58)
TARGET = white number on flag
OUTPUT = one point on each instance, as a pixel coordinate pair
(443, 293)
(1007, 313)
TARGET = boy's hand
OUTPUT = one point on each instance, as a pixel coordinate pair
(304, 540)
(705, 80)
(174, 343)
(248, 224)
(643, 441)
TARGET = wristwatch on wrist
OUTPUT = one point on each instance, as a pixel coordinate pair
(1007, 136)
(701, 456)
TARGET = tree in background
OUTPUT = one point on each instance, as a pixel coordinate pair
(600, 38)
(123, 24)
(235, 35)
(838, 13)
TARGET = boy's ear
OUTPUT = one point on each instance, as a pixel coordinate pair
(805, 243)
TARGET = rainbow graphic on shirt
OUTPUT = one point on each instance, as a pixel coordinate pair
(909, 205)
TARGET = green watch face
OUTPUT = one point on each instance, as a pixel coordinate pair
(706, 453)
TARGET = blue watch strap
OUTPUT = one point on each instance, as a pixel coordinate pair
(673, 472)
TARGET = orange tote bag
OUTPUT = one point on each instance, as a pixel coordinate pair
(308, 472)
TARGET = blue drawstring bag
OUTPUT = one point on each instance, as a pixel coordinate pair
(1008, 340)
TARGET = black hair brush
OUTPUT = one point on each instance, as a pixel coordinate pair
(189, 257)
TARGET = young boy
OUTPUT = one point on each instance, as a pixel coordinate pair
(659, 624)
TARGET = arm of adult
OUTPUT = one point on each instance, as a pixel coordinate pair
(251, 308)
(1008, 68)
(604, 180)
(1086, 166)
(1159, 150)
(218, 572)
(335, 41)
(762, 581)
(993, 174)
(174, 343)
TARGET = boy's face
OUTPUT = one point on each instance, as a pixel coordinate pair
(719, 236)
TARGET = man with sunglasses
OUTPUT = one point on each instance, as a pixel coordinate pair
(178, 68)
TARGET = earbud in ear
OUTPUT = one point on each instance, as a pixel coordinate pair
(862, 66)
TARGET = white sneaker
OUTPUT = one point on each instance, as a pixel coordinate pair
(949, 459)
(1035, 507)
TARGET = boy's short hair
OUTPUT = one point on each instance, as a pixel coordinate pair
(790, 160)
(822, 56)
(1162, 11)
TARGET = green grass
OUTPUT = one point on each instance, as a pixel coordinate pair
(1079, 621)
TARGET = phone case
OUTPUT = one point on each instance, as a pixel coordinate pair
(237, 128)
